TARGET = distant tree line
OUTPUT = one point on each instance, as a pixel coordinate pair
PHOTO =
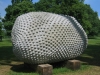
(82, 12)
(0, 26)
(0, 29)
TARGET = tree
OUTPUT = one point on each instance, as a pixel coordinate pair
(18, 1)
(91, 21)
(0, 28)
(17, 8)
(76, 8)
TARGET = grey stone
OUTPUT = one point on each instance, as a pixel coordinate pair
(45, 69)
(42, 37)
(74, 64)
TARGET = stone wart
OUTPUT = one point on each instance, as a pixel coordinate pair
(43, 37)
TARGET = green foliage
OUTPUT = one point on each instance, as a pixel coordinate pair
(0, 26)
(17, 8)
(82, 12)
(90, 21)
(18, 1)
(2, 31)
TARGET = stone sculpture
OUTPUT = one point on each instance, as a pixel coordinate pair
(42, 37)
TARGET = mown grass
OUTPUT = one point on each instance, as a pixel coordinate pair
(6, 53)
(56, 71)
(92, 54)
(90, 61)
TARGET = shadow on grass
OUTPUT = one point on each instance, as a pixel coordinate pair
(22, 68)
(26, 68)
(6, 55)
(91, 55)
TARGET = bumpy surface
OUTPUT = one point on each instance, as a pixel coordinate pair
(41, 37)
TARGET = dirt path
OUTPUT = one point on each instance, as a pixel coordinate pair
(5, 69)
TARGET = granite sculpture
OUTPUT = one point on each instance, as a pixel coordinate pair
(43, 37)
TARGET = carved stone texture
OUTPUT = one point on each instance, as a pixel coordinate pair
(42, 37)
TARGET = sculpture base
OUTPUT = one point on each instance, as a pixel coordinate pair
(42, 69)
(73, 64)
(45, 69)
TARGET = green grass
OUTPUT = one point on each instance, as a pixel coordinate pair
(6, 53)
(21, 73)
(92, 54)
(56, 71)
(90, 59)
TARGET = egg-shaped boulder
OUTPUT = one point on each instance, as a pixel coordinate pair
(43, 37)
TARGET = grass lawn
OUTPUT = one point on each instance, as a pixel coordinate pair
(9, 64)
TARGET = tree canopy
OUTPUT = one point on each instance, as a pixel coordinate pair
(76, 8)
(82, 12)
(17, 8)
(0, 26)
